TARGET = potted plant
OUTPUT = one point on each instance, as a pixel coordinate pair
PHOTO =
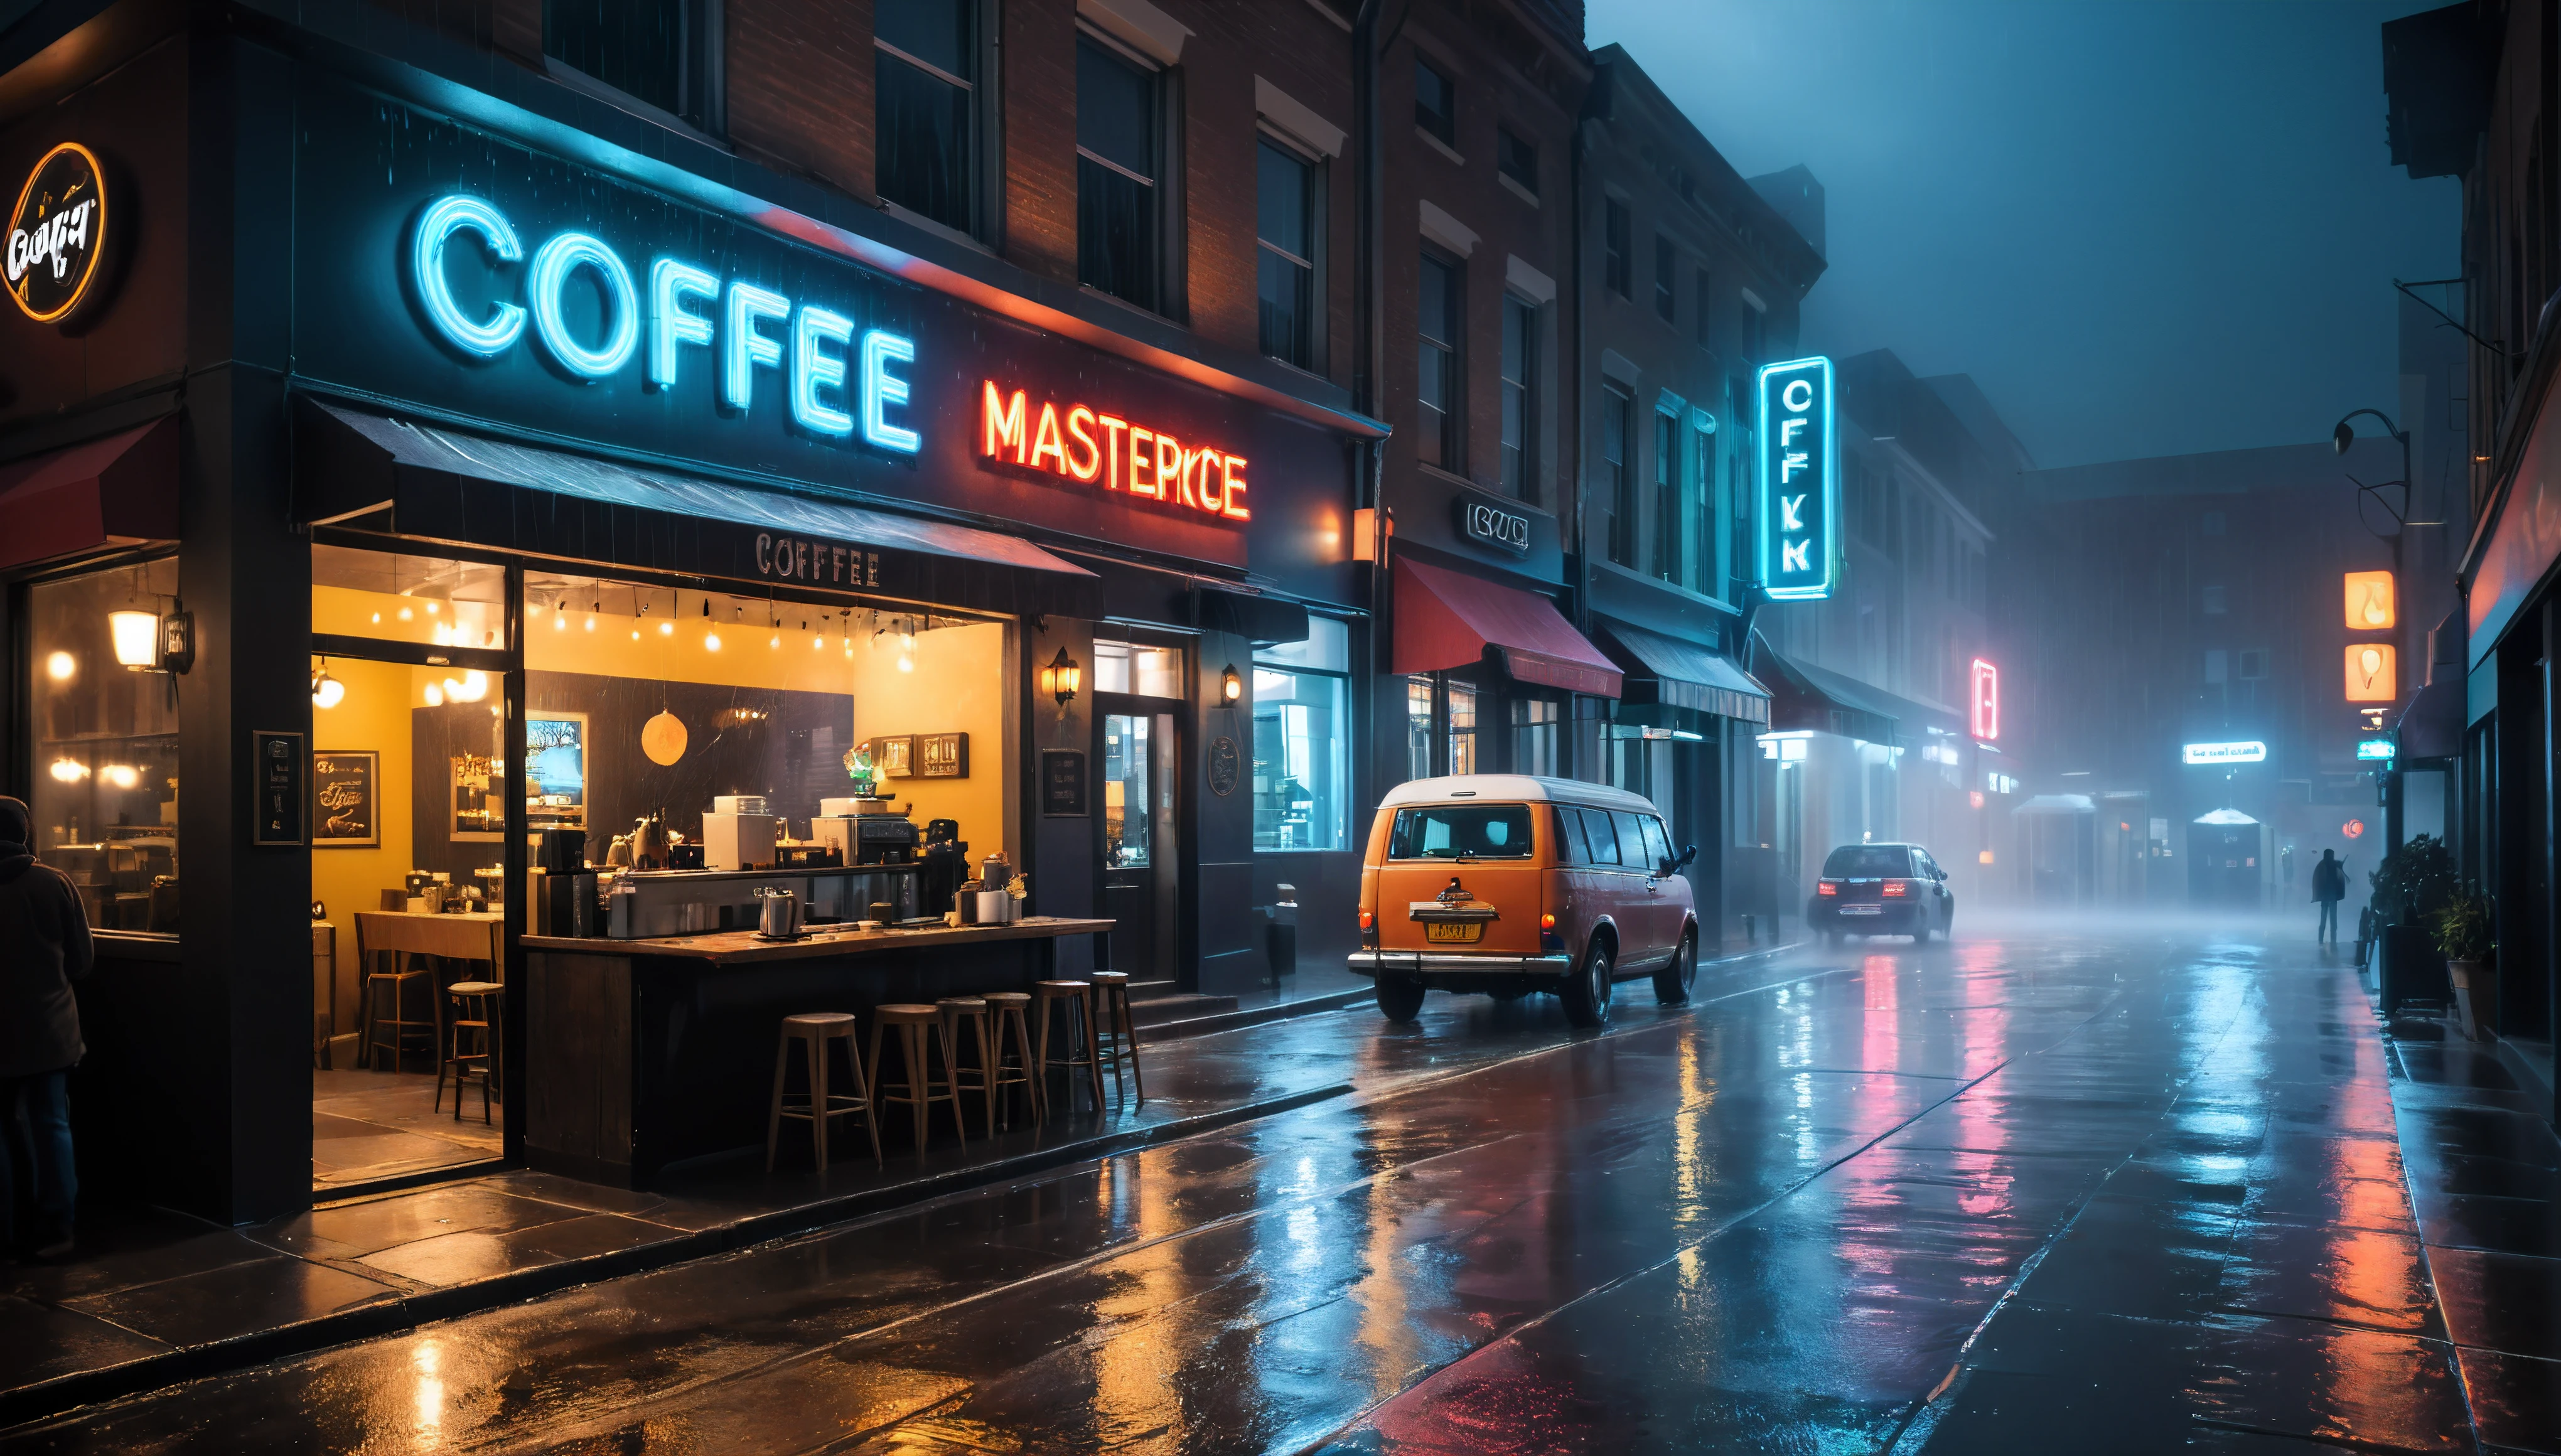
(2412, 883)
(2462, 928)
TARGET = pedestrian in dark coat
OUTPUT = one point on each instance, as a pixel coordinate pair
(45, 946)
(2330, 887)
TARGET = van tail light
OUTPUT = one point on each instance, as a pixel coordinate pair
(1369, 918)
(1825, 887)
(1895, 890)
(1547, 921)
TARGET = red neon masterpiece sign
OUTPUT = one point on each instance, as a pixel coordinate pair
(1986, 701)
(1091, 448)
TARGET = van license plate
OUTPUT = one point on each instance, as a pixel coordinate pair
(1863, 910)
(1444, 931)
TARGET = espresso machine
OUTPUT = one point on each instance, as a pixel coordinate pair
(945, 858)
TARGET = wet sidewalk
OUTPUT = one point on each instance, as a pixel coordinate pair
(155, 1297)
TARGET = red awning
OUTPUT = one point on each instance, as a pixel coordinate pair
(113, 492)
(1444, 619)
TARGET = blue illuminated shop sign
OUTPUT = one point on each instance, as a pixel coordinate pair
(1798, 471)
(2371, 751)
(834, 384)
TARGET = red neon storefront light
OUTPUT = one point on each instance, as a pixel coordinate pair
(1088, 447)
(1986, 701)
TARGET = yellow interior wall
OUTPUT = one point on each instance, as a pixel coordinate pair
(957, 686)
(374, 714)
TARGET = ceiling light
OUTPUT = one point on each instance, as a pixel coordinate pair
(59, 666)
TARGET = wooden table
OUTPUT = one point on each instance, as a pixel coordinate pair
(457, 936)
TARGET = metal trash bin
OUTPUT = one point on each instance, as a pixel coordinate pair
(1280, 931)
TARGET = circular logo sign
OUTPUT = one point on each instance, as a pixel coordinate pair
(58, 234)
(2355, 828)
(1223, 765)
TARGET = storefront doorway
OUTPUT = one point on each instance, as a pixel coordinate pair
(1141, 756)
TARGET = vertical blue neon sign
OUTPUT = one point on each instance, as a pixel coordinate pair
(1797, 470)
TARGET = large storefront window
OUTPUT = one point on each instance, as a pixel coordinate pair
(396, 597)
(1462, 728)
(1418, 728)
(1302, 760)
(1538, 725)
(105, 743)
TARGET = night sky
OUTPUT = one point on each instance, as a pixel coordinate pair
(2145, 229)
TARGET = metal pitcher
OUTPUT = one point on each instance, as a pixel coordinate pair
(780, 919)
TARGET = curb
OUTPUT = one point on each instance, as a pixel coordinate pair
(392, 1316)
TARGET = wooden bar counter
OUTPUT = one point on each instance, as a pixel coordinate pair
(640, 1055)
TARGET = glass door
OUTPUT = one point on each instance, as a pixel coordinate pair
(1141, 757)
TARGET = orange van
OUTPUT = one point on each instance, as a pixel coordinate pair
(1506, 885)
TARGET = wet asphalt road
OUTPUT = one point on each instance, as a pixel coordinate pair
(2120, 1193)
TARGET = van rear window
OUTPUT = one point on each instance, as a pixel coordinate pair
(1868, 861)
(1461, 832)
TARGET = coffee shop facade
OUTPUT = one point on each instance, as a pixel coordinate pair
(415, 470)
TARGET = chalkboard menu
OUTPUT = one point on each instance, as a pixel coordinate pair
(1063, 784)
(281, 804)
(345, 814)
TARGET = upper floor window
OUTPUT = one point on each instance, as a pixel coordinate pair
(1702, 473)
(1436, 102)
(1121, 211)
(925, 76)
(1520, 354)
(1515, 158)
(1618, 473)
(1669, 530)
(1614, 245)
(1706, 319)
(664, 52)
(1437, 428)
(1667, 263)
(1286, 228)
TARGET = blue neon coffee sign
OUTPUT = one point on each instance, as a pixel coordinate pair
(839, 380)
(1797, 469)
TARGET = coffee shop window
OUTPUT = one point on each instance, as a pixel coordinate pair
(1301, 762)
(393, 596)
(105, 743)
(1418, 728)
(1462, 728)
(1538, 727)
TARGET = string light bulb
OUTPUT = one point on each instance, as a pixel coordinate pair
(435, 695)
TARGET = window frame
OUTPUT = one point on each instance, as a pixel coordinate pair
(1314, 263)
(1619, 408)
(1443, 126)
(701, 84)
(1342, 766)
(1666, 278)
(1452, 442)
(1166, 286)
(1618, 240)
(1524, 312)
(1669, 535)
(1509, 145)
(984, 187)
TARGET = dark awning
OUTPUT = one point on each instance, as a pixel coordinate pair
(1446, 619)
(427, 481)
(106, 493)
(1805, 698)
(1671, 673)
(2432, 726)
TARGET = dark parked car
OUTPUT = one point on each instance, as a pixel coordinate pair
(1881, 889)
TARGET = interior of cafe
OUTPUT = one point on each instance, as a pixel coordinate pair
(667, 729)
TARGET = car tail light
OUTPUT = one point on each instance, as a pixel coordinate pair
(1547, 921)
(1369, 917)
(1825, 887)
(1895, 890)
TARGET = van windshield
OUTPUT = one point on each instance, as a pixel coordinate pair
(1461, 832)
(1868, 861)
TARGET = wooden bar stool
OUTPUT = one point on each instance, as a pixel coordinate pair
(815, 1031)
(919, 1029)
(1076, 999)
(1115, 1032)
(1005, 1014)
(977, 1076)
(395, 981)
(477, 1010)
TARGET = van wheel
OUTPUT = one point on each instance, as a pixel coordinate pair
(1399, 999)
(1586, 992)
(1672, 982)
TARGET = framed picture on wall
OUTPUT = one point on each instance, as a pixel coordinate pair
(895, 757)
(555, 769)
(345, 812)
(943, 755)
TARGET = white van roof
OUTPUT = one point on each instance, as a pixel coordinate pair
(1515, 788)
